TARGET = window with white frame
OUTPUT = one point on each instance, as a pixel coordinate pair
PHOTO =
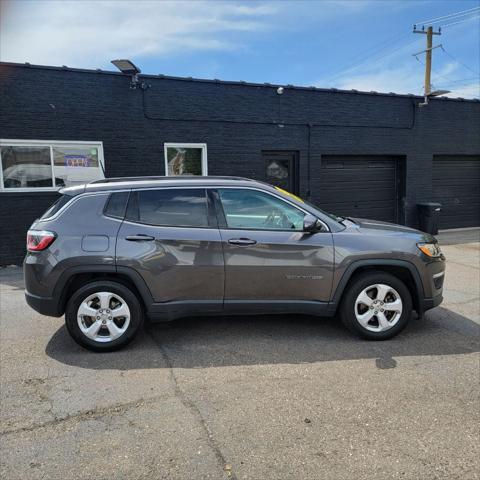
(186, 159)
(49, 165)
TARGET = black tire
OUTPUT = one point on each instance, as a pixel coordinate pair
(136, 315)
(353, 290)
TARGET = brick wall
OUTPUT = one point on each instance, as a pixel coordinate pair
(237, 121)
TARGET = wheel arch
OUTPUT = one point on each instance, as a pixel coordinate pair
(75, 277)
(402, 269)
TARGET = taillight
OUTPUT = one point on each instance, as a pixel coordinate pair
(38, 240)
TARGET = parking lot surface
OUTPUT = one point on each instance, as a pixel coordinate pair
(247, 397)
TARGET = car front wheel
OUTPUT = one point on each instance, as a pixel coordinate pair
(376, 306)
(103, 316)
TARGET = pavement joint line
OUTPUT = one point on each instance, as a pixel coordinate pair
(190, 405)
(94, 414)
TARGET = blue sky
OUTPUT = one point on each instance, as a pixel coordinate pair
(362, 44)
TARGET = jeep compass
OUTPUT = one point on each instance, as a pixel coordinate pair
(113, 252)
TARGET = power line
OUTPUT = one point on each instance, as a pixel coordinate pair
(362, 61)
(460, 62)
(460, 21)
(457, 14)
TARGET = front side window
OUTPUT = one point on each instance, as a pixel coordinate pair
(185, 159)
(48, 164)
(252, 209)
(169, 207)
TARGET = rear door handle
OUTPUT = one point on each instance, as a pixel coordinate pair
(242, 241)
(139, 238)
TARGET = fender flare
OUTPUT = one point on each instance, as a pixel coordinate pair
(66, 277)
(380, 262)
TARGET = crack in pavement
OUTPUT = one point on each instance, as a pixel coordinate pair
(190, 405)
(94, 413)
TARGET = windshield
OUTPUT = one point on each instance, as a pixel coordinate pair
(298, 199)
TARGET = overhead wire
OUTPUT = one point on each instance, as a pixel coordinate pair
(449, 16)
(362, 61)
(459, 61)
(460, 21)
(376, 50)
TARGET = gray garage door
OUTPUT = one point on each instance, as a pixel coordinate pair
(456, 185)
(360, 186)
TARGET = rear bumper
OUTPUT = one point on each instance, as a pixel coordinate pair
(44, 305)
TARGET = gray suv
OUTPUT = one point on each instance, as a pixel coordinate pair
(109, 253)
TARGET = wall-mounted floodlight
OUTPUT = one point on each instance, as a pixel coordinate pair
(437, 93)
(128, 68)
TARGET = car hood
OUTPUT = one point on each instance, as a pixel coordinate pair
(376, 226)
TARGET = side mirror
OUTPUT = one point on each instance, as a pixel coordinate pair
(311, 224)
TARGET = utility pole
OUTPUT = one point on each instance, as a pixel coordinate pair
(428, 59)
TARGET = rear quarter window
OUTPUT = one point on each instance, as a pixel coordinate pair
(116, 205)
(57, 205)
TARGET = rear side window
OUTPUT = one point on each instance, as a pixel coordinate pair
(57, 205)
(116, 204)
(174, 207)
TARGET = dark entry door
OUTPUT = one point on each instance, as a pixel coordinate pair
(361, 186)
(281, 169)
(456, 185)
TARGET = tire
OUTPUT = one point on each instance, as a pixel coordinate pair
(103, 316)
(366, 314)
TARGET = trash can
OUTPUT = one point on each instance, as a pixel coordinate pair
(429, 214)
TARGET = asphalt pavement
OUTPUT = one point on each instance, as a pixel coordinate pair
(280, 397)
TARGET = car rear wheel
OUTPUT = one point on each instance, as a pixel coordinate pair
(376, 306)
(103, 316)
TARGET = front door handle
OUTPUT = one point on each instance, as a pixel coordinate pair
(139, 238)
(242, 241)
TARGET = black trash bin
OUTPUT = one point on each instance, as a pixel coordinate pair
(429, 214)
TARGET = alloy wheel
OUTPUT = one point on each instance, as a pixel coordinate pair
(103, 316)
(378, 307)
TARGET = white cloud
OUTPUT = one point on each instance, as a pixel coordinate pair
(87, 33)
(401, 74)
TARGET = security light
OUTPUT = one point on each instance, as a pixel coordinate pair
(437, 93)
(280, 90)
(128, 68)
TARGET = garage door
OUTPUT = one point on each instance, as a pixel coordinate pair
(360, 186)
(456, 185)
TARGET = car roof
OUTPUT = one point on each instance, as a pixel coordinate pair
(122, 183)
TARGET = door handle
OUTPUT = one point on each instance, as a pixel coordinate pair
(242, 241)
(139, 238)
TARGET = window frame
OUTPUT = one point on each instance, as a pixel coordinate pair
(202, 146)
(223, 218)
(7, 142)
(134, 198)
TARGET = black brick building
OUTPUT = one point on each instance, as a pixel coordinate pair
(354, 153)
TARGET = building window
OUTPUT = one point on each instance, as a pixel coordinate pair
(186, 159)
(48, 165)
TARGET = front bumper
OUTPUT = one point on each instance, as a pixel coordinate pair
(429, 303)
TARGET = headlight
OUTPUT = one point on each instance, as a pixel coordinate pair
(430, 249)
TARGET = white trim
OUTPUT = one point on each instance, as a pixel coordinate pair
(203, 146)
(11, 142)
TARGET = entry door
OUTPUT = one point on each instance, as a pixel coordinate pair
(281, 169)
(268, 258)
(168, 238)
